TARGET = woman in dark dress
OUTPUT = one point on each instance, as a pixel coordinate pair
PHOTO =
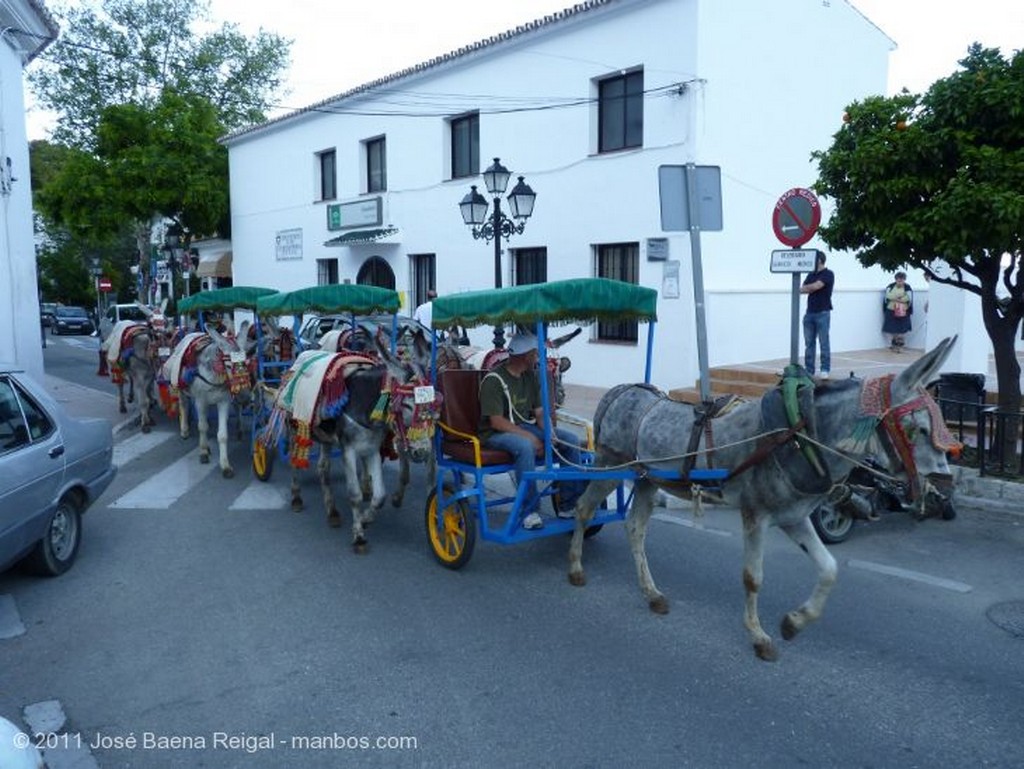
(897, 306)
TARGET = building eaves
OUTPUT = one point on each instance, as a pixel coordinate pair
(437, 61)
(29, 26)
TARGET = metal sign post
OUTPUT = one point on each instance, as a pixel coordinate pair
(691, 199)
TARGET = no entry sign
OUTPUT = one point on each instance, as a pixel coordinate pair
(105, 284)
(796, 217)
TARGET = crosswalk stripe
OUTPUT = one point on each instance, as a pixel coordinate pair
(259, 495)
(137, 445)
(166, 487)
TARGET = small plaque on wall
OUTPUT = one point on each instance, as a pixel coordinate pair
(657, 249)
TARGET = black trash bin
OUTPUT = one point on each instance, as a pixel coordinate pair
(961, 396)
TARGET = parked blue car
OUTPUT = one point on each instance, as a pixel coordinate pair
(52, 468)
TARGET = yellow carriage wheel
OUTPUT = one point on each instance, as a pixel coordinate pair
(451, 532)
(262, 461)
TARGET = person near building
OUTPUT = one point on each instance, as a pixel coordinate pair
(818, 317)
(424, 313)
(511, 419)
(897, 307)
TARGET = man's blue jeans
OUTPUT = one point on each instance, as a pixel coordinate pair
(816, 325)
(521, 449)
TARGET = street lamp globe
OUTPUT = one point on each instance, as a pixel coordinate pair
(474, 208)
(521, 199)
(496, 178)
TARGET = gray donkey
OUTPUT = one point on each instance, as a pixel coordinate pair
(779, 470)
(212, 369)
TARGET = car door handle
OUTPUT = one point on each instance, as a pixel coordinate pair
(56, 451)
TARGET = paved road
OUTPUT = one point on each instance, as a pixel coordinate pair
(206, 618)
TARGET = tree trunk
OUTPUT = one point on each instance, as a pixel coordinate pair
(1002, 330)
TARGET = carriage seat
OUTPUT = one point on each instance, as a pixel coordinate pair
(460, 419)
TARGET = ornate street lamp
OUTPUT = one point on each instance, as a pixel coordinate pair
(497, 225)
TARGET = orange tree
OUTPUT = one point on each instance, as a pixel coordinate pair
(936, 181)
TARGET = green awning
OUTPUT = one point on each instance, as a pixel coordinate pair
(579, 300)
(362, 237)
(224, 299)
(334, 298)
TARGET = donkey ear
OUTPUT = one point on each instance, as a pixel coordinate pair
(924, 369)
(219, 339)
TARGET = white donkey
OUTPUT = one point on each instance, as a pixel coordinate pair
(212, 369)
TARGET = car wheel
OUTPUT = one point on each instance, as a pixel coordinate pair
(831, 525)
(55, 552)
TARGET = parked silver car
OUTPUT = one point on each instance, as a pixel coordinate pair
(52, 468)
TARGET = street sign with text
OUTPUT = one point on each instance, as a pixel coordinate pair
(797, 260)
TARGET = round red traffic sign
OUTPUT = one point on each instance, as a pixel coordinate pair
(104, 284)
(796, 217)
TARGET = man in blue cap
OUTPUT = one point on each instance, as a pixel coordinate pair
(511, 420)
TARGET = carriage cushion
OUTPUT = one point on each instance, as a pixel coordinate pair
(460, 411)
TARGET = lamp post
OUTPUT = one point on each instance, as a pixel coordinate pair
(172, 241)
(497, 225)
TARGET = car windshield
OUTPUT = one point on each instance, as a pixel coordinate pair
(72, 312)
(131, 312)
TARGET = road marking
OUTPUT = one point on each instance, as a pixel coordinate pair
(690, 524)
(915, 576)
(166, 487)
(132, 448)
(259, 495)
(10, 621)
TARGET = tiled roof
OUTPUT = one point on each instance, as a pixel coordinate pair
(522, 29)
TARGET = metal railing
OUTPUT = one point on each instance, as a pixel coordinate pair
(993, 438)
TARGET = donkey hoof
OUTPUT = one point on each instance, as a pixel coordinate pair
(766, 651)
(204, 459)
(360, 547)
(334, 519)
(577, 579)
(123, 409)
(227, 472)
(789, 627)
(146, 428)
(297, 504)
(658, 604)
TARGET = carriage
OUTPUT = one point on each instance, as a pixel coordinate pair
(463, 503)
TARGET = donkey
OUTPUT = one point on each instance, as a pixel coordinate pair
(212, 369)
(781, 479)
(414, 349)
(346, 401)
(131, 350)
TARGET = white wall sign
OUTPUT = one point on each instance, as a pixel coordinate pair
(289, 244)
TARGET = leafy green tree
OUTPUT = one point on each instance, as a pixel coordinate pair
(142, 101)
(113, 52)
(918, 180)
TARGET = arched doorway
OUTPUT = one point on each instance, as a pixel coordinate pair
(375, 271)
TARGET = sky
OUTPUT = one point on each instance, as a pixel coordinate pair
(341, 45)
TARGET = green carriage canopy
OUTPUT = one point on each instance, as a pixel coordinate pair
(224, 299)
(578, 300)
(335, 298)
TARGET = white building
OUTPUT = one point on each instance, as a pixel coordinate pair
(585, 104)
(26, 28)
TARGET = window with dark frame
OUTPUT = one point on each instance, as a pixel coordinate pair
(465, 146)
(328, 175)
(424, 276)
(376, 165)
(326, 272)
(530, 265)
(620, 112)
(618, 261)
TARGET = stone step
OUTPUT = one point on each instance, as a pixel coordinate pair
(731, 374)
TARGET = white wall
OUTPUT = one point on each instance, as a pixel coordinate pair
(757, 108)
(20, 330)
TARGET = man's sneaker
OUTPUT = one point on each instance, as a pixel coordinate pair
(561, 512)
(533, 521)
(824, 375)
